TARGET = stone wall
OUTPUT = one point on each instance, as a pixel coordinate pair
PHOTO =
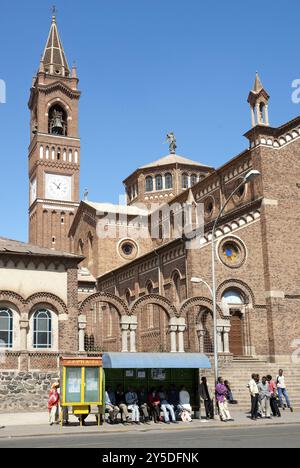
(23, 391)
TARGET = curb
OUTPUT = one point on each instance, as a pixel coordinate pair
(147, 430)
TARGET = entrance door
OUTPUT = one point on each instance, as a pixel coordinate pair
(236, 334)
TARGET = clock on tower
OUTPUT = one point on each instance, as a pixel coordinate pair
(54, 151)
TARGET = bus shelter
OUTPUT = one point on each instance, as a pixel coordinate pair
(157, 370)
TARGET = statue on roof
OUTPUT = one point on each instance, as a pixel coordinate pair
(171, 139)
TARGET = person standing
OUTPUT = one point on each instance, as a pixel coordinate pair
(206, 395)
(273, 401)
(221, 396)
(231, 400)
(132, 404)
(254, 393)
(63, 410)
(53, 404)
(282, 391)
(264, 398)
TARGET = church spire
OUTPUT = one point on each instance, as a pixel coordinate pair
(257, 84)
(258, 100)
(54, 57)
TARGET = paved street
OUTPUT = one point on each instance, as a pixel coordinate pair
(259, 437)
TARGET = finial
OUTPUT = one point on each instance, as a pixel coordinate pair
(54, 11)
(172, 142)
(74, 70)
(85, 195)
(41, 67)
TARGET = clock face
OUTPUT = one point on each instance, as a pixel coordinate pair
(58, 187)
(33, 192)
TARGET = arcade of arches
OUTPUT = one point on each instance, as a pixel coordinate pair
(152, 323)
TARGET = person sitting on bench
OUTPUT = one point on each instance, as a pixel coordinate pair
(110, 405)
(143, 405)
(166, 407)
(121, 403)
(132, 403)
(154, 404)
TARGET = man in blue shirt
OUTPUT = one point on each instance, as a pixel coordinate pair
(110, 405)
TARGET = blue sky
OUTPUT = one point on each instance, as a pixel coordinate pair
(146, 67)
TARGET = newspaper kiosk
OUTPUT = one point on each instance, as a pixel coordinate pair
(83, 386)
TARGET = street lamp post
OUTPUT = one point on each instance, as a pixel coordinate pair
(250, 176)
(213, 290)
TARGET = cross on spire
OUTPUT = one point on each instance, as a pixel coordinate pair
(54, 57)
(54, 11)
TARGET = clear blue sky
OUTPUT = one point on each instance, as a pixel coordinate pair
(146, 67)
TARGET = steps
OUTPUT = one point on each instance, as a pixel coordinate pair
(239, 374)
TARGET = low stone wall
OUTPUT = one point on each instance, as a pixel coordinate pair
(25, 391)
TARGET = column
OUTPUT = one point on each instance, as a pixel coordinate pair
(253, 116)
(125, 329)
(81, 333)
(267, 114)
(173, 333)
(258, 114)
(226, 340)
(201, 335)
(181, 329)
(220, 340)
(24, 325)
(133, 328)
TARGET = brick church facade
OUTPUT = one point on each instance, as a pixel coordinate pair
(133, 290)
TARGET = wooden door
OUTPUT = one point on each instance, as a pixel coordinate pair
(236, 334)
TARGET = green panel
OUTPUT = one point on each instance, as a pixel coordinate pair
(73, 385)
(179, 377)
(182, 374)
(91, 388)
(114, 374)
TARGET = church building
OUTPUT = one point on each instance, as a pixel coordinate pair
(122, 278)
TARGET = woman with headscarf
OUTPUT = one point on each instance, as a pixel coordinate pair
(53, 404)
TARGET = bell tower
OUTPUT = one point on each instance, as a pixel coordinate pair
(259, 101)
(54, 150)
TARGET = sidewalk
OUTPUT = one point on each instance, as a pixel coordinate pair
(35, 425)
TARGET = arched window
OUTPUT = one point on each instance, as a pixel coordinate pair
(80, 247)
(185, 181)
(159, 182)
(233, 297)
(42, 329)
(58, 121)
(149, 287)
(176, 283)
(128, 296)
(6, 328)
(149, 184)
(169, 181)
(194, 179)
(262, 108)
(90, 256)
